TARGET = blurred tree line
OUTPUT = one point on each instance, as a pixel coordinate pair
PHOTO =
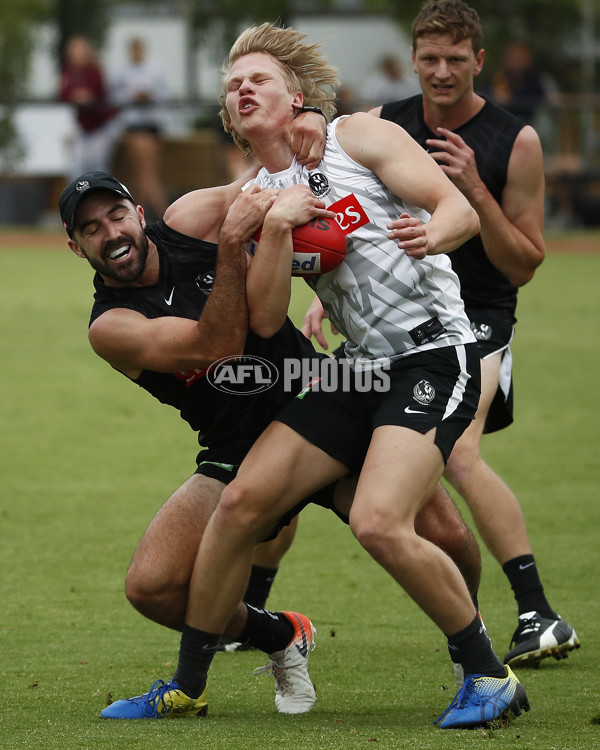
(17, 23)
(553, 28)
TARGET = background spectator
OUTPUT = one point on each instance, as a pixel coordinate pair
(138, 90)
(82, 83)
(346, 103)
(389, 83)
(518, 85)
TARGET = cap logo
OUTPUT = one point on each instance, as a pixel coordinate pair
(82, 185)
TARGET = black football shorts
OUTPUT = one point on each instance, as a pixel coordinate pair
(494, 334)
(433, 389)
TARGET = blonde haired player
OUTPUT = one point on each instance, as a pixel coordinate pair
(398, 303)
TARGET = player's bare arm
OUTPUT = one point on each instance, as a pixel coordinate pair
(246, 215)
(132, 343)
(307, 138)
(411, 173)
(512, 232)
(269, 274)
(201, 213)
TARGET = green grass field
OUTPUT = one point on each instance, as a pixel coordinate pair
(86, 459)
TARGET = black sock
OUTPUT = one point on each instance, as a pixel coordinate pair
(472, 648)
(196, 652)
(525, 582)
(267, 631)
(259, 586)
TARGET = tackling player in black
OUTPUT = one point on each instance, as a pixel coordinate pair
(170, 303)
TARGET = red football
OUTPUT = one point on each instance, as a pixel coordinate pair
(319, 247)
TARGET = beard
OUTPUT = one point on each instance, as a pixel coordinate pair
(129, 270)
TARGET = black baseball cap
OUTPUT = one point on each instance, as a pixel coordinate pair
(77, 190)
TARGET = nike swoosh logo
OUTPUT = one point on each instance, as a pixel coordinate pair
(522, 567)
(168, 301)
(303, 649)
(408, 410)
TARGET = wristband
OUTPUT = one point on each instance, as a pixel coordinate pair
(317, 110)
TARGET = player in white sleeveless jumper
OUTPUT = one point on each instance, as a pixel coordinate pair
(397, 305)
(403, 293)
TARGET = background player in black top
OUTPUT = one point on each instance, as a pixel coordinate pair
(496, 161)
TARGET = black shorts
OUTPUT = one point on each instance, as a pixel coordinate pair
(223, 465)
(494, 334)
(434, 389)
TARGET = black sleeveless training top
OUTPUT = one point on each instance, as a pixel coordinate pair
(491, 134)
(187, 270)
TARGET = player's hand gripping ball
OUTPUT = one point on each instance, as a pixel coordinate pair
(319, 247)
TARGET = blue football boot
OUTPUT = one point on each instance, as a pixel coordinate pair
(482, 700)
(164, 700)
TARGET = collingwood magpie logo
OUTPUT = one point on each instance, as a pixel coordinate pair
(481, 331)
(318, 184)
(423, 392)
(205, 281)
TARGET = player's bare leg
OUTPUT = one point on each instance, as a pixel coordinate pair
(157, 582)
(440, 521)
(247, 512)
(388, 497)
(495, 509)
(266, 560)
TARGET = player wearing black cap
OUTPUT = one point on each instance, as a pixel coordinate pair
(169, 304)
